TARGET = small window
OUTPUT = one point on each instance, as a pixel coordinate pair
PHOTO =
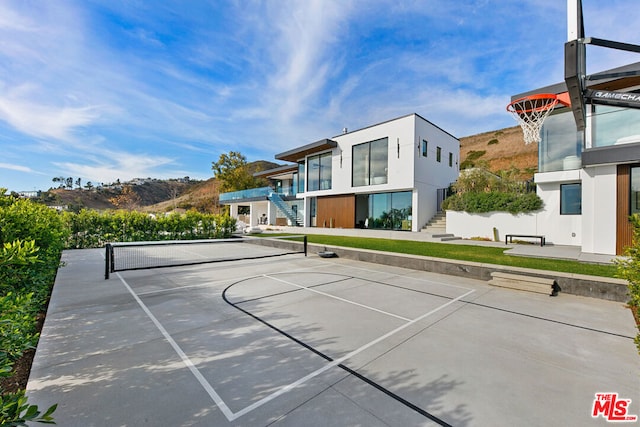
(425, 146)
(450, 160)
(570, 199)
(438, 154)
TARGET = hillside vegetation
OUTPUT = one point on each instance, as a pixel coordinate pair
(500, 150)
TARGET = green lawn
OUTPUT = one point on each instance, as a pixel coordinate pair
(482, 254)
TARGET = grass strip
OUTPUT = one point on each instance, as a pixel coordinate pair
(481, 254)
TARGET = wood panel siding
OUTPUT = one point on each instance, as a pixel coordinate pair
(624, 228)
(336, 211)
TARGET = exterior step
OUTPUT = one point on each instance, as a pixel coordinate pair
(445, 237)
(541, 285)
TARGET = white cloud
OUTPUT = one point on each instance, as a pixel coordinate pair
(17, 168)
(46, 121)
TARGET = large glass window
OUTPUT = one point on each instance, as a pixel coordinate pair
(561, 145)
(319, 172)
(570, 199)
(635, 191)
(388, 211)
(615, 125)
(369, 165)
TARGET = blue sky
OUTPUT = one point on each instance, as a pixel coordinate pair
(115, 89)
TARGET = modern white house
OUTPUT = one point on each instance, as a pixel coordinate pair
(589, 180)
(389, 176)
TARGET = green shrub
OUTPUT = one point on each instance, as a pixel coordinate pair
(32, 237)
(492, 141)
(36, 226)
(629, 270)
(493, 201)
(15, 411)
(479, 191)
(17, 328)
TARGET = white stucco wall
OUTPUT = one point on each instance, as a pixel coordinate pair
(431, 175)
(599, 209)
(467, 225)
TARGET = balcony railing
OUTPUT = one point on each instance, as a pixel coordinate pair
(252, 193)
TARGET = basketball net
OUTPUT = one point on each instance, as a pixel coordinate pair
(530, 112)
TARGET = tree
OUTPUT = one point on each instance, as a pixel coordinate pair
(61, 180)
(88, 185)
(79, 183)
(127, 199)
(69, 182)
(232, 171)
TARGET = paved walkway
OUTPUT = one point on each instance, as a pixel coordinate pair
(517, 249)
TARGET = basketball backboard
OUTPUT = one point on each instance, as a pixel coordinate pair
(586, 89)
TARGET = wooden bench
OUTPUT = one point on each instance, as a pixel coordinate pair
(509, 238)
(541, 285)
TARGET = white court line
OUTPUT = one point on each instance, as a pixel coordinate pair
(343, 358)
(185, 359)
(230, 415)
(338, 298)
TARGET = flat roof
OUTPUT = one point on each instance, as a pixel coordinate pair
(300, 152)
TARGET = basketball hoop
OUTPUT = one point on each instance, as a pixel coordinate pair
(531, 111)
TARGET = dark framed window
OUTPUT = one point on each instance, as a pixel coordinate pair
(450, 160)
(387, 211)
(369, 164)
(571, 199)
(438, 154)
(634, 191)
(425, 147)
(319, 172)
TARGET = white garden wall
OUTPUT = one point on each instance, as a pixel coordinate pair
(467, 225)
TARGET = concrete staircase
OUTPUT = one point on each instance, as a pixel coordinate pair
(437, 227)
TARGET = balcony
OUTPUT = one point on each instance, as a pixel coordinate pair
(246, 195)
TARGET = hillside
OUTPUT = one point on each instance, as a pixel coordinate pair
(147, 193)
(500, 150)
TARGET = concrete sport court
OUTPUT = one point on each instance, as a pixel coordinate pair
(294, 340)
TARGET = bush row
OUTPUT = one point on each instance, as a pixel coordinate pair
(92, 229)
(493, 201)
(32, 237)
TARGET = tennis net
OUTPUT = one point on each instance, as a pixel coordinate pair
(174, 253)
